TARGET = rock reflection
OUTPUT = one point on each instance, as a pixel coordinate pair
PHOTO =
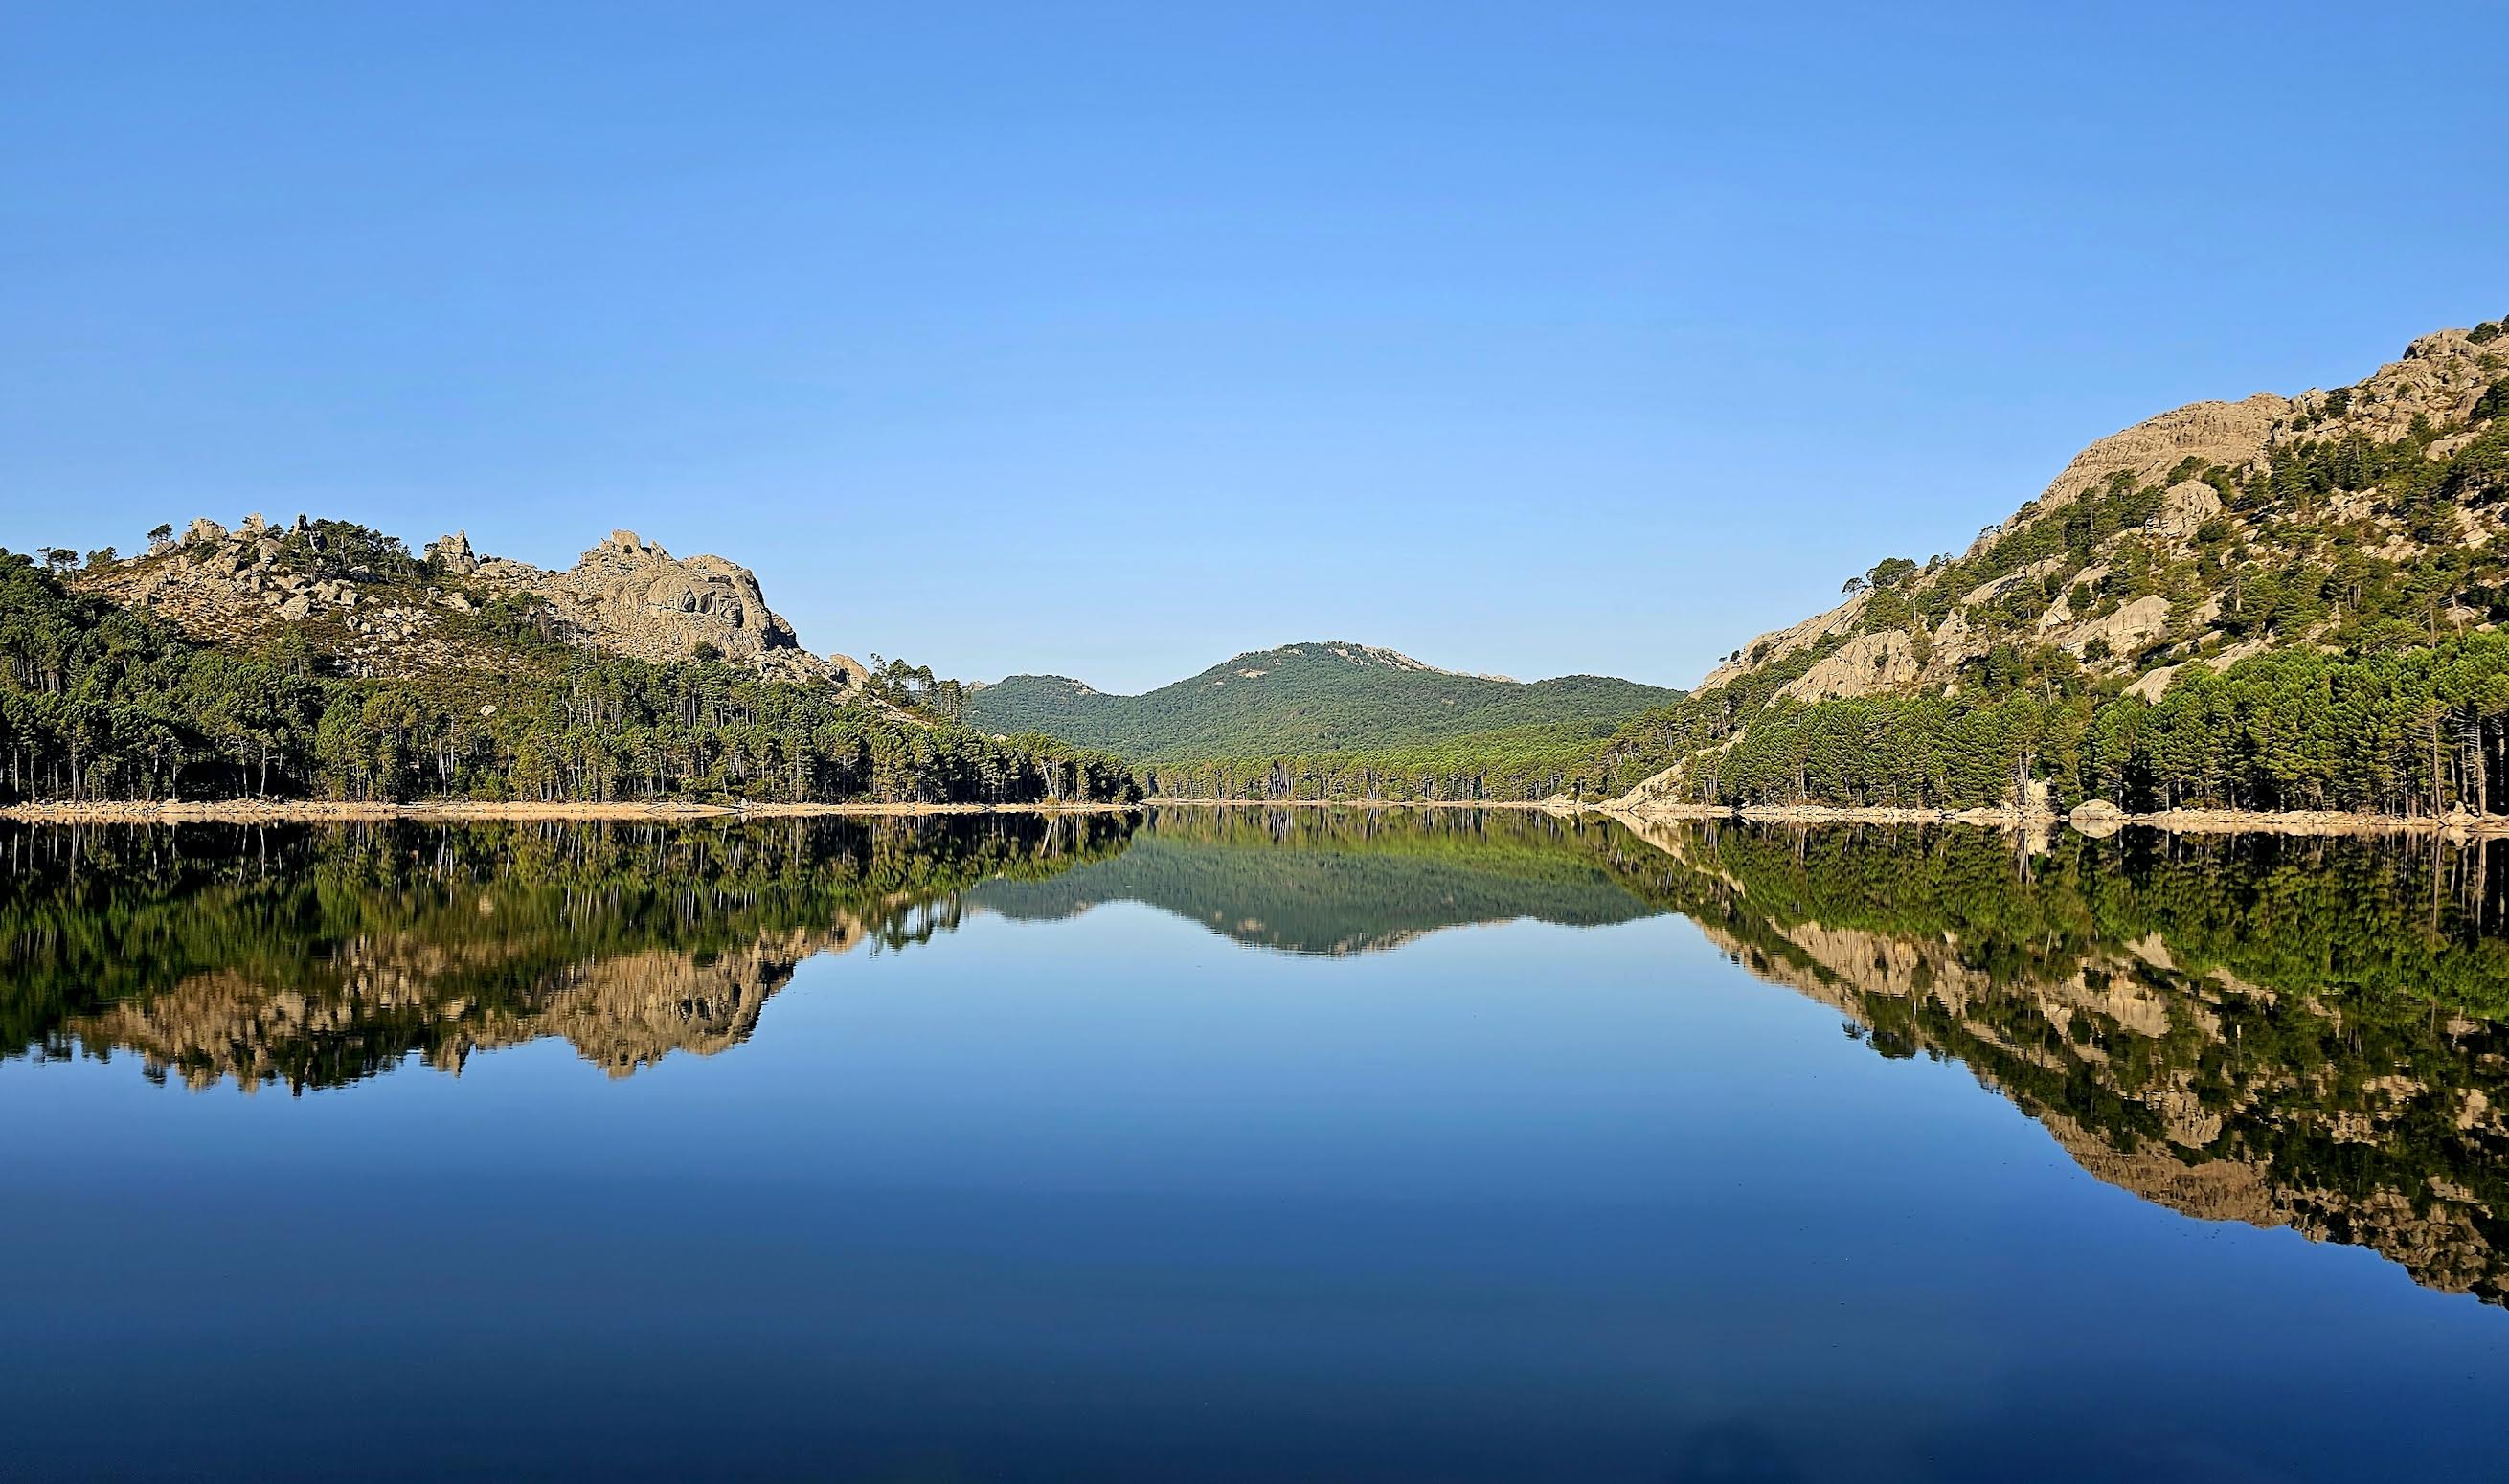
(309, 958)
(2286, 1033)
(313, 958)
(2283, 1032)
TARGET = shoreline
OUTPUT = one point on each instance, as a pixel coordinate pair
(457, 811)
(2094, 822)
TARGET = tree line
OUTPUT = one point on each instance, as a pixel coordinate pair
(100, 702)
(2422, 732)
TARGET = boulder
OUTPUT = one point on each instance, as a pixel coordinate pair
(2097, 818)
(452, 554)
(2185, 506)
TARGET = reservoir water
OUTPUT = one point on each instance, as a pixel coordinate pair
(1251, 1145)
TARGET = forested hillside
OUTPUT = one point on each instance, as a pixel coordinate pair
(2275, 604)
(99, 701)
(1303, 699)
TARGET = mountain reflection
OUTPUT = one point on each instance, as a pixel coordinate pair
(1307, 881)
(312, 957)
(2285, 1032)
(2311, 1033)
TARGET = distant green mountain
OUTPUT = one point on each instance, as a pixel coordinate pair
(1302, 698)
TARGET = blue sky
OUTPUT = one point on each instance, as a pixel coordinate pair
(1112, 340)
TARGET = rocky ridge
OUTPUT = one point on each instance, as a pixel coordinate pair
(378, 611)
(2174, 470)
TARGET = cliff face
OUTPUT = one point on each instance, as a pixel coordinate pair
(2135, 558)
(631, 596)
(365, 601)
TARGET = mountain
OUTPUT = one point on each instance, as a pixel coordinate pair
(1302, 698)
(2173, 619)
(2204, 534)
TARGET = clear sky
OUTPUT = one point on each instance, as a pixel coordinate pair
(1114, 339)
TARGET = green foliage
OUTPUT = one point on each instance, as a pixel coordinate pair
(490, 926)
(1334, 882)
(2289, 994)
(2422, 729)
(1306, 699)
(98, 702)
(2303, 557)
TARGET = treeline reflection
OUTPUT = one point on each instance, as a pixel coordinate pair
(2282, 1031)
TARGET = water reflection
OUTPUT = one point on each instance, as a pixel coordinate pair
(2283, 1032)
(2286, 1034)
(313, 958)
(1306, 882)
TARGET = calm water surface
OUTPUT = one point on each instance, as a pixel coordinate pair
(1249, 1147)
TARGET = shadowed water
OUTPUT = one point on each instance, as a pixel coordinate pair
(1253, 1145)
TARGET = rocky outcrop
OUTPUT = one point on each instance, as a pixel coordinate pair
(1866, 664)
(2213, 433)
(452, 555)
(388, 614)
(631, 596)
(247, 583)
(1782, 644)
(2120, 626)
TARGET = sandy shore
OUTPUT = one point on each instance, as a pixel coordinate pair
(306, 811)
(2179, 821)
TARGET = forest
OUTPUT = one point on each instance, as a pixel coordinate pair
(2425, 730)
(100, 702)
(1316, 699)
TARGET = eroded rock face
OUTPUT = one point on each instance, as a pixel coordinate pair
(1865, 663)
(631, 596)
(2440, 380)
(626, 595)
(2216, 432)
(452, 554)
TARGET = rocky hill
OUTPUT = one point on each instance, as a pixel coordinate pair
(2199, 537)
(1302, 698)
(2277, 603)
(360, 598)
(322, 662)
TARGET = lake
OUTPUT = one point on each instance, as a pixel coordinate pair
(1251, 1145)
